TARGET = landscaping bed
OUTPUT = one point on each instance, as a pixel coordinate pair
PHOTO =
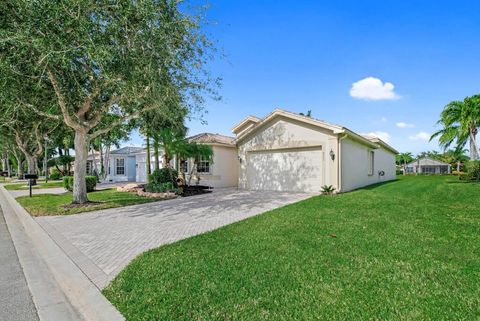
(403, 250)
(50, 204)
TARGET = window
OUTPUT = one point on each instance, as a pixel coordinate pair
(89, 167)
(120, 166)
(203, 165)
(183, 166)
(371, 162)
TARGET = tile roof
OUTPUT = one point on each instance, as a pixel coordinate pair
(209, 138)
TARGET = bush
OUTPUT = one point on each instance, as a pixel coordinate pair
(91, 182)
(163, 175)
(163, 188)
(399, 172)
(55, 175)
(473, 170)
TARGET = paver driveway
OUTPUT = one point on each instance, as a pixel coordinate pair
(102, 243)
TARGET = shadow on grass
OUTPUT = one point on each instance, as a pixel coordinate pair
(377, 185)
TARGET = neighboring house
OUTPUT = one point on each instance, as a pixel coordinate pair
(427, 166)
(93, 162)
(289, 152)
(222, 171)
(122, 166)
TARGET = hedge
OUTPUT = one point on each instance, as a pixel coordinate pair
(91, 182)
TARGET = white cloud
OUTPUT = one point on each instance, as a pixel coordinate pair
(382, 135)
(371, 88)
(404, 125)
(384, 119)
(420, 136)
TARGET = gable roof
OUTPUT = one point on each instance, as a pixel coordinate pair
(243, 123)
(209, 138)
(373, 142)
(128, 150)
(426, 161)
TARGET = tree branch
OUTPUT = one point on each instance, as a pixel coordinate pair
(88, 102)
(61, 102)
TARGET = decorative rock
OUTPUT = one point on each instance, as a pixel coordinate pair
(166, 195)
(132, 187)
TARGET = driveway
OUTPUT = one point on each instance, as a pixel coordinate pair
(103, 242)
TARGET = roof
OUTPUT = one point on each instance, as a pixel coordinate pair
(426, 161)
(209, 138)
(248, 119)
(373, 142)
(128, 150)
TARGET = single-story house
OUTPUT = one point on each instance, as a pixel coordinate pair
(222, 171)
(288, 152)
(122, 166)
(427, 166)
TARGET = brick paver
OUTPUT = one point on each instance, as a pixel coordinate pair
(102, 243)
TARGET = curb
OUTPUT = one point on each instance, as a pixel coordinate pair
(60, 290)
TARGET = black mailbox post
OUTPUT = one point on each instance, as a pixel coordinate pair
(30, 177)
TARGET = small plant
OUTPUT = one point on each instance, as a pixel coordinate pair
(327, 190)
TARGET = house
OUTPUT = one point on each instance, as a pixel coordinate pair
(427, 166)
(222, 171)
(122, 165)
(288, 152)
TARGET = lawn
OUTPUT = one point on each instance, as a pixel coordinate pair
(24, 185)
(51, 204)
(405, 250)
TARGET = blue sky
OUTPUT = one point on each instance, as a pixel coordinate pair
(300, 55)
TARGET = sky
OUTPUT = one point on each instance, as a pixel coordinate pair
(382, 67)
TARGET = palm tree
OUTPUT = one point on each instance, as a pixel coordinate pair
(460, 121)
(403, 159)
(455, 157)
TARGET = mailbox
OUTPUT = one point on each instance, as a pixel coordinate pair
(30, 176)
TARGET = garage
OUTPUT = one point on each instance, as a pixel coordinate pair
(287, 170)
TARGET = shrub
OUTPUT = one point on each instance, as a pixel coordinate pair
(473, 170)
(327, 189)
(399, 172)
(55, 175)
(91, 182)
(163, 175)
(163, 187)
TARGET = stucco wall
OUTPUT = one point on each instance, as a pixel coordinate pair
(355, 165)
(224, 170)
(283, 133)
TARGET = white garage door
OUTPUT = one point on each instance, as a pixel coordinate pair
(296, 170)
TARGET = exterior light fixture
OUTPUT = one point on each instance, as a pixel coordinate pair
(332, 154)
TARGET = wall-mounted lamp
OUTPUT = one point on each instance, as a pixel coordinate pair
(332, 154)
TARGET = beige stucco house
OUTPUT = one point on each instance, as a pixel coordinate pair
(222, 171)
(288, 152)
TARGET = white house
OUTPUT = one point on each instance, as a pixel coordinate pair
(428, 166)
(288, 152)
(122, 166)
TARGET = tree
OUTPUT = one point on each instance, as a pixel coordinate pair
(404, 159)
(460, 121)
(455, 158)
(106, 60)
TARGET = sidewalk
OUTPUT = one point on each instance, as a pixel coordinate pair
(60, 290)
(15, 297)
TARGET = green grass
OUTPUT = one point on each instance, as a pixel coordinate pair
(24, 185)
(51, 204)
(405, 250)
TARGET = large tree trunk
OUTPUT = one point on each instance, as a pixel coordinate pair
(149, 165)
(31, 166)
(473, 144)
(80, 169)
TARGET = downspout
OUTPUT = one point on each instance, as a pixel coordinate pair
(339, 160)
